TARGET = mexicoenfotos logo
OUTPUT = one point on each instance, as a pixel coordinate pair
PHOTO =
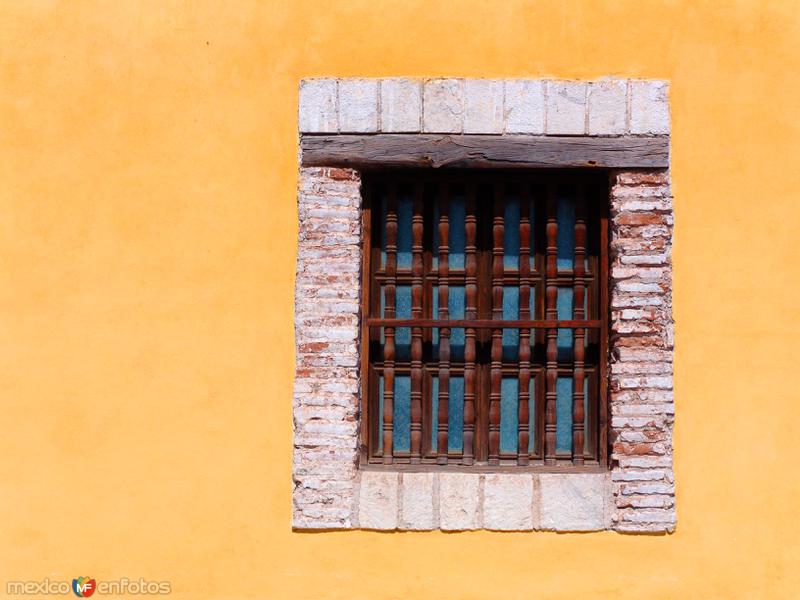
(84, 587)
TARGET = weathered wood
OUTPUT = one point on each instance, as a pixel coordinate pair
(578, 296)
(484, 276)
(505, 466)
(369, 425)
(468, 151)
(487, 323)
(444, 333)
(417, 225)
(498, 233)
(551, 292)
(523, 410)
(471, 312)
(390, 292)
(563, 278)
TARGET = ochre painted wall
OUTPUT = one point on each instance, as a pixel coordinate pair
(147, 247)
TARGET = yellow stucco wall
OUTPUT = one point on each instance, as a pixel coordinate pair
(147, 231)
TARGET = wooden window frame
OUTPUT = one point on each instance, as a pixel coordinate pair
(597, 459)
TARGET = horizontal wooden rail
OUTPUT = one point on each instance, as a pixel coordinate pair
(487, 323)
(470, 151)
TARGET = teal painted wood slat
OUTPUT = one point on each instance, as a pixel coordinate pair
(509, 415)
(455, 405)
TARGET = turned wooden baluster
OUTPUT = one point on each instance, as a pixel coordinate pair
(551, 294)
(390, 293)
(578, 295)
(444, 332)
(471, 312)
(523, 453)
(416, 332)
(496, 373)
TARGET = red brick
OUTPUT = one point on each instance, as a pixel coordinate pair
(638, 449)
(343, 174)
(643, 177)
(641, 218)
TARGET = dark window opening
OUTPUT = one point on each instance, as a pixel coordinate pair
(484, 318)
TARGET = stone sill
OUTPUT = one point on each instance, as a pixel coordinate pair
(495, 501)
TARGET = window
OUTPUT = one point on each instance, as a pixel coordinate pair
(413, 218)
(484, 329)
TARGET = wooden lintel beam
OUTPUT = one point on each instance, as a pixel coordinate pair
(481, 151)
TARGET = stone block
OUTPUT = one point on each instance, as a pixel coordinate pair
(566, 107)
(574, 502)
(416, 494)
(524, 106)
(443, 106)
(377, 501)
(459, 496)
(358, 105)
(318, 106)
(650, 107)
(401, 105)
(508, 501)
(484, 106)
(608, 107)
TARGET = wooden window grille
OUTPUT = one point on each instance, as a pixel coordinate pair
(485, 319)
